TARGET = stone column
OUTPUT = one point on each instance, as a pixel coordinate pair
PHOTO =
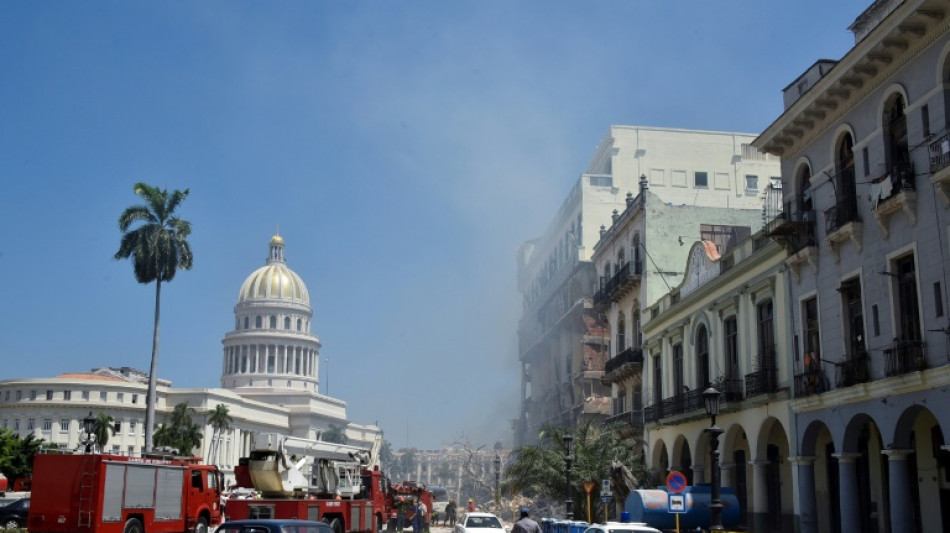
(760, 495)
(807, 505)
(902, 508)
(848, 491)
(699, 471)
(726, 471)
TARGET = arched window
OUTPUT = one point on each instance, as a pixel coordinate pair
(246, 326)
(803, 198)
(299, 322)
(702, 358)
(846, 202)
(286, 322)
(237, 323)
(621, 329)
(636, 336)
(258, 323)
(637, 266)
(896, 153)
(273, 322)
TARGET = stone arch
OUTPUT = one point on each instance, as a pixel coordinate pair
(852, 432)
(901, 440)
(660, 459)
(810, 437)
(682, 458)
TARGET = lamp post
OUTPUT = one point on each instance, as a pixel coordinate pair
(497, 479)
(88, 426)
(568, 461)
(711, 400)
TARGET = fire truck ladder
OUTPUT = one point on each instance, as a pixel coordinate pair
(87, 487)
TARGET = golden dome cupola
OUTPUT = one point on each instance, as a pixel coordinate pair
(275, 281)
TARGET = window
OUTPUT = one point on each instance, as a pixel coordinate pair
(85, 395)
(246, 323)
(896, 152)
(32, 395)
(64, 425)
(875, 320)
(47, 424)
(812, 335)
(115, 449)
(730, 326)
(19, 395)
(135, 398)
(67, 395)
(6, 396)
(103, 396)
(120, 397)
(299, 323)
(16, 424)
(30, 424)
(49, 395)
(766, 335)
(621, 337)
(131, 427)
(258, 322)
(678, 386)
(273, 322)
(853, 306)
(286, 322)
(657, 381)
(751, 182)
(117, 428)
(925, 120)
(701, 179)
(702, 358)
(131, 451)
(908, 319)
(938, 304)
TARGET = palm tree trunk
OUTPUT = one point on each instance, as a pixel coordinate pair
(151, 399)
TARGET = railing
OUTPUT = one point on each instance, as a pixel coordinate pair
(852, 371)
(940, 153)
(795, 230)
(653, 413)
(899, 177)
(630, 355)
(762, 381)
(624, 415)
(846, 210)
(809, 382)
(904, 357)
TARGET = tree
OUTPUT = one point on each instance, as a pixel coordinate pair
(538, 471)
(103, 428)
(158, 246)
(220, 421)
(179, 431)
(335, 434)
(16, 454)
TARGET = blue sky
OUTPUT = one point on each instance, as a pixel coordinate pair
(405, 149)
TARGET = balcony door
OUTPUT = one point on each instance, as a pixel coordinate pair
(731, 348)
(702, 358)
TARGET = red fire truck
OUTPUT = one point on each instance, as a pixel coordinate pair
(344, 488)
(102, 493)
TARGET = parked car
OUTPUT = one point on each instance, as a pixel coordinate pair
(13, 515)
(621, 527)
(274, 526)
(479, 523)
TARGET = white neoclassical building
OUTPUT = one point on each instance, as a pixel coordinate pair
(269, 381)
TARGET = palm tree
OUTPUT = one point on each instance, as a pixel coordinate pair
(220, 421)
(538, 470)
(103, 428)
(179, 431)
(335, 434)
(158, 246)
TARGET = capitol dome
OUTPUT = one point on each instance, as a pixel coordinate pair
(274, 281)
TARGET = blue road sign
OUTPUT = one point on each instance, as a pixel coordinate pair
(676, 482)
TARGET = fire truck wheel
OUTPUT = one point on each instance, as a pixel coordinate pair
(202, 525)
(336, 525)
(133, 525)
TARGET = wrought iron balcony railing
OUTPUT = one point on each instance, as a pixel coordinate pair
(940, 153)
(810, 382)
(845, 211)
(904, 357)
(630, 355)
(764, 380)
(854, 370)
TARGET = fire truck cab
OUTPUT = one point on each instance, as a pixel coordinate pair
(103, 493)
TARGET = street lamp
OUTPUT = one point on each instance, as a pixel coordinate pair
(497, 479)
(88, 426)
(568, 460)
(711, 400)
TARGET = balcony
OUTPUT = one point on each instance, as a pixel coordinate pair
(626, 277)
(853, 371)
(691, 401)
(809, 383)
(761, 382)
(629, 356)
(842, 224)
(940, 165)
(627, 416)
(892, 194)
(904, 357)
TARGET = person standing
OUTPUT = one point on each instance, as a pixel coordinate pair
(450, 513)
(525, 524)
(471, 506)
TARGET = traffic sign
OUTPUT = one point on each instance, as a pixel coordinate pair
(605, 486)
(606, 499)
(676, 482)
(588, 486)
(677, 503)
